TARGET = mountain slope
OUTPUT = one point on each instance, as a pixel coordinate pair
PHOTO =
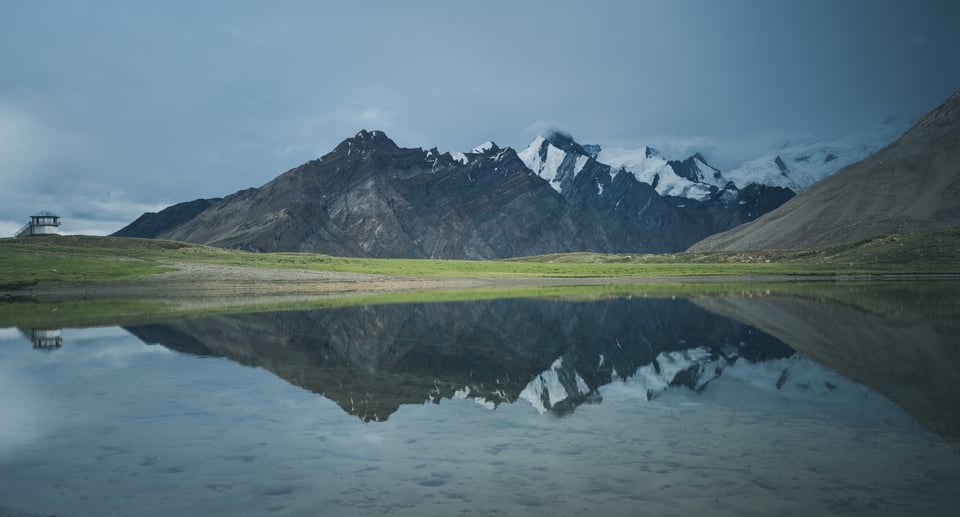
(913, 183)
(152, 224)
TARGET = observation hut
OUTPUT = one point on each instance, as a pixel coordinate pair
(44, 339)
(42, 223)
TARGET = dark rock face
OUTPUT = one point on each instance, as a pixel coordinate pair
(755, 200)
(782, 166)
(371, 359)
(152, 224)
(690, 170)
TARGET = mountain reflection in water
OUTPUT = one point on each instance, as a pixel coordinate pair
(554, 355)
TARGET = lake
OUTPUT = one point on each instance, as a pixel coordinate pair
(748, 403)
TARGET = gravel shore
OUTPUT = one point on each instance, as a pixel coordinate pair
(192, 281)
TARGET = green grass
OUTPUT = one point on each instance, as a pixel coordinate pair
(914, 252)
(83, 313)
(92, 259)
(27, 265)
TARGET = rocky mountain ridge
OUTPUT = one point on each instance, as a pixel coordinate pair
(369, 197)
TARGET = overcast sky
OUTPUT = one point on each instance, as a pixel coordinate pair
(112, 108)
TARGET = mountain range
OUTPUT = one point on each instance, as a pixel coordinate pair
(369, 197)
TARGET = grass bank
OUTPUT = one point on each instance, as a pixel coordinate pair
(929, 301)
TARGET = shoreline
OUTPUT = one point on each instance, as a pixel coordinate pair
(198, 282)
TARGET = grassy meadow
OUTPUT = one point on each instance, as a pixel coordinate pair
(85, 259)
(91, 259)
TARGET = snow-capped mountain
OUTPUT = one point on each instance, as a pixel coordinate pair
(691, 178)
(558, 159)
(795, 165)
(799, 163)
(646, 186)
(370, 197)
(792, 377)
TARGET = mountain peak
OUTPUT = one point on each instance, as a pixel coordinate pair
(368, 140)
(565, 142)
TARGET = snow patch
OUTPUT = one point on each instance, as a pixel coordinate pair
(486, 404)
(530, 156)
(580, 164)
(546, 160)
(484, 147)
(546, 390)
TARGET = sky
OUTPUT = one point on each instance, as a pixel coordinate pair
(110, 108)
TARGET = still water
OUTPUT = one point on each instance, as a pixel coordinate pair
(627, 406)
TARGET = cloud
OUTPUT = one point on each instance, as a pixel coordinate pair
(28, 146)
(542, 128)
(724, 153)
(376, 116)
